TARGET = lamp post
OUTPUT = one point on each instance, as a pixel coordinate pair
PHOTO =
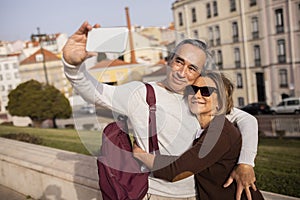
(40, 37)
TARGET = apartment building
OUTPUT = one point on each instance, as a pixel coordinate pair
(9, 78)
(255, 43)
(46, 67)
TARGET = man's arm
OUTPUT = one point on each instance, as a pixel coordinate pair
(244, 172)
(248, 127)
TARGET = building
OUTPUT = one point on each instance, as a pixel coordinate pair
(116, 72)
(46, 67)
(9, 78)
(255, 43)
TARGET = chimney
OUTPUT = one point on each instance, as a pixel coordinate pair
(132, 51)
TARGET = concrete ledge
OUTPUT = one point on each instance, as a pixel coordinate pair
(42, 172)
(48, 173)
(274, 196)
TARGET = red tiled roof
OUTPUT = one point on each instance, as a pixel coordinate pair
(48, 56)
(13, 54)
(109, 63)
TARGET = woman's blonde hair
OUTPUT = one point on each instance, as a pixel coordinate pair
(224, 91)
(229, 93)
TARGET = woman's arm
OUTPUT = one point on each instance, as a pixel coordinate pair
(190, 162)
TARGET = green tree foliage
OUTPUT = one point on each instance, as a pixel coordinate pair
(39, 102)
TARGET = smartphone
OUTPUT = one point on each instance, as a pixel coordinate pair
(110, 40)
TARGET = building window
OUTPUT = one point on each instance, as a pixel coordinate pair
(279, 21)
(283, 80)
(211, 36)
(257, 55)
(299, 14)
(16, 75)
(39, 57)
(1, 77)
(215, 8)
(208, 12)
(232, 5)
(239, 80)
(182, 36)
(220, 59)
(8, 76)
(281, 51)
(15, 65)
(235, 32)
(217, 33)
(180, 19)
(241, 101)
(196, 34)
(194, 16)
(9, 87)
(237, 57)
(6, 66)
(252, 3)
(255, 32)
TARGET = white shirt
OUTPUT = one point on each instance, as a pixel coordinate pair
(176, 126)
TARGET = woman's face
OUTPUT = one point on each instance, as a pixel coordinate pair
(203, 97)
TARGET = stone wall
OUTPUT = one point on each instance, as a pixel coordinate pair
(47, 173)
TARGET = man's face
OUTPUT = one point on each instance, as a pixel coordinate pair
(185, 67)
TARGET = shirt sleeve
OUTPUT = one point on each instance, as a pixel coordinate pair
(115, 98)
(248, 127)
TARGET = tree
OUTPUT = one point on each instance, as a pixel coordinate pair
(39, 102)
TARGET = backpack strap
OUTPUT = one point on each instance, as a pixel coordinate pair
(151, 101)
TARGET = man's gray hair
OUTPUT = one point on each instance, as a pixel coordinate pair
(201, 44)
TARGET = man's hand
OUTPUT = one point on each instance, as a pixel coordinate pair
(74, 51)
(244, 175)
(146, 158)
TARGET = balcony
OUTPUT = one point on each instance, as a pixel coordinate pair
(257, 62)
(281, 58)
(238, 64)
(255, 35)
(218, 41)
(279, 29)
(235, 38)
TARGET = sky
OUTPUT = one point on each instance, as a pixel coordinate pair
(20, 18)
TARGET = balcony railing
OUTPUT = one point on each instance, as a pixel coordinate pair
(255, 35)
(257, 62)
(238, 64)
(281, 58)
(235, 38)
(218, 41)
(279, 29)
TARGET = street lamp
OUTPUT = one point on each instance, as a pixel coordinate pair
(40, 37)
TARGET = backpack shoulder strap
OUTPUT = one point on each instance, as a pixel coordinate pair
(151, 101)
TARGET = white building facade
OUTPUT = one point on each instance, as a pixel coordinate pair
(9, 78)
(254, 43)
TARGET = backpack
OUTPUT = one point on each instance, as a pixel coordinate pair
(120, 174)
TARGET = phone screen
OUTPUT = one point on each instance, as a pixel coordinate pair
(110, 40)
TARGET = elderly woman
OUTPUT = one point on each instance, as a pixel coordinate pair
(215, 150)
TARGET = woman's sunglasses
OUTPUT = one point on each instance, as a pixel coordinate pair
(205, 91)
